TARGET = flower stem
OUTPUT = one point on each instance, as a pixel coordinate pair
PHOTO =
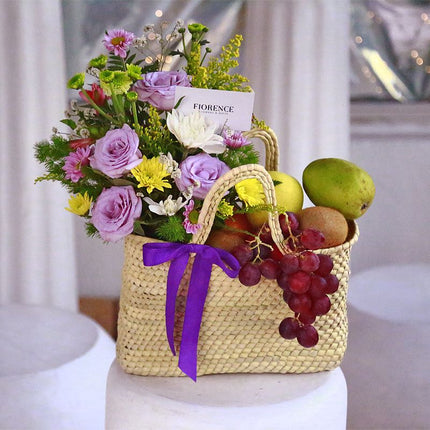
(184, 48)
(96, 107)
(136, 120)
(117, 105)
(203, 58)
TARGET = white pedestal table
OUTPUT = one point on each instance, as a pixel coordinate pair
(53, 369)
(215, 402)
(387, 360)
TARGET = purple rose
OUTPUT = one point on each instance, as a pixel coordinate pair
(200, 171)
(158, 88)
(117, 152)
(115, 211)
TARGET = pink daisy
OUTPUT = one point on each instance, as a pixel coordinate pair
(118, 41)
(191, 216)
(234, 139)
(74, 162)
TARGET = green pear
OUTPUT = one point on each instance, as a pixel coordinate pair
(339, 184)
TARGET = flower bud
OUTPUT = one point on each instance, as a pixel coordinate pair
(76, 82)
(98, 62)
(132, 96)
(197, 28)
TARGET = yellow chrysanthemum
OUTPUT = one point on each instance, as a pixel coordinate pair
(79, 204)
(251, 192)
(151, 173)
(225, 209)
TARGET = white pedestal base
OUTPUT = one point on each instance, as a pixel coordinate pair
(387, 360)
(53, 369)
(215, 402)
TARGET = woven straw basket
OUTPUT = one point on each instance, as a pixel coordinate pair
(239, 329)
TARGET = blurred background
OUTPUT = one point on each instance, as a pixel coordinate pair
(333, 78)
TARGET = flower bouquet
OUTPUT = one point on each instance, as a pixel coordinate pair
(132, 162)
(189, 194)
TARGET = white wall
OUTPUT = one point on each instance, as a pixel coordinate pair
(392, 142)
(99, 264)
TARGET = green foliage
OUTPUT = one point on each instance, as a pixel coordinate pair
(217, 74)
(235, 157)
(49, 177)
(172, 230)
(69, 122)
(93, 183)
(200, 77)
(55, 149)
(156, 136)
(91, 230)
(259, 123)
(51, 154)
(218, 69)
(115, 62)
(193, 56)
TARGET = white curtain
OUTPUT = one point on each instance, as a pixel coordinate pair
(37, 249)
(297, 58)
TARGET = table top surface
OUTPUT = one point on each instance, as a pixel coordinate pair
(35, 338)
(232, 390)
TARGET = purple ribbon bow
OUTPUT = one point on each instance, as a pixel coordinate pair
(179, 254)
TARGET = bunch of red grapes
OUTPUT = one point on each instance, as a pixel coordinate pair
(304, 276)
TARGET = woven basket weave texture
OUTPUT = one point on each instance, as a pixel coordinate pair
(239, 330)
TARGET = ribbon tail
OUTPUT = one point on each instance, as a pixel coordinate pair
(176, 272)
(197, 292)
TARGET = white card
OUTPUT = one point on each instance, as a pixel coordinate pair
(232, 109)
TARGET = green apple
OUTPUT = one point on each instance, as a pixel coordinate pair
(289, 197)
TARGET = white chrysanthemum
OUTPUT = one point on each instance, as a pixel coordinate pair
(167, 207)
(193, 131)
(171, 165)
(188, 192)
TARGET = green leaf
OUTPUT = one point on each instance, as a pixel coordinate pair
(121, 182)
(179, 102)
(138, 229)
(173, 53)
(69, 122)
(131, 58)
(91, 230)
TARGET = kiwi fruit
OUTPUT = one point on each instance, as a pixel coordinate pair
(330, 222)
(224, 239)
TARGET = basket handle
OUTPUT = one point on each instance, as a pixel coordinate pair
(268, 137)
(220, 188)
